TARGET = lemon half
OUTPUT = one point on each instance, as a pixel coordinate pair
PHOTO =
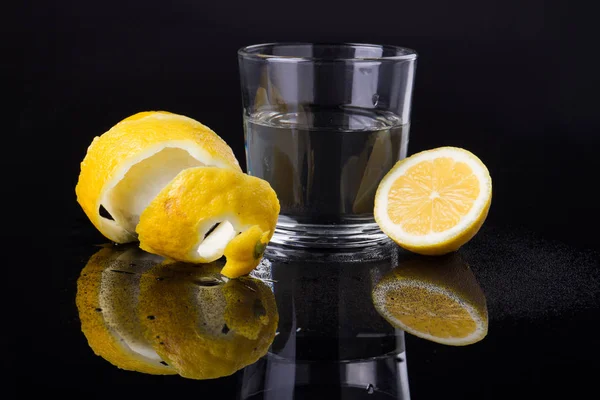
(435, 201)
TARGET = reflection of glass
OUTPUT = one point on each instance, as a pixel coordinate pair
(323, 124)
(332, 343)
(435, 298)
(143, 313)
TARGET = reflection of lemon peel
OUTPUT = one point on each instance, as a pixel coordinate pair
(245, 252)
(184, 212)
(250, 307)
(103, 339)
(183, 313)
(268, 97)
(435, 298)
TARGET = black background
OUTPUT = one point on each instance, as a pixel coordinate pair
(514, 82)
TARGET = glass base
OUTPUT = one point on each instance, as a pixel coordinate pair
(355, 234)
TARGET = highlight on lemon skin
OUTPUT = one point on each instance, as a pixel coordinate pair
(198, 216)
(126, 167)
(434, 298)
(107, 304)
(203, 327)
(435, 201)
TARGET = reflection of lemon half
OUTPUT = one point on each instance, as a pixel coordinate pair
(435, 201)
(106, 299)
(126, 167)
(435, 298)
(196, 216)
(203, 328)
(380, 161)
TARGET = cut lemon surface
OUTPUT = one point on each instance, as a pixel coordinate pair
(434, 298)
(107, 294)
(434, 201)
(126, 167)
(197, 216)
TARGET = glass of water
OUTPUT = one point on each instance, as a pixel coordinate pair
(323, 124)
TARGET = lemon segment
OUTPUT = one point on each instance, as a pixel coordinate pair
(180, 219)
(126, 167)
(435, 201)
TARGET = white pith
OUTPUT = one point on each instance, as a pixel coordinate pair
(125, 200)
(212, 247)
(396, 230)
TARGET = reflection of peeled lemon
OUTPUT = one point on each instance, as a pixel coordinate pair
(437, 299)
(106, 299)
(435, 201)
(198, 199)
(126, 167)
(203, 328)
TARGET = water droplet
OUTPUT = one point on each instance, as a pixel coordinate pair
(375, 99)
(370, 389)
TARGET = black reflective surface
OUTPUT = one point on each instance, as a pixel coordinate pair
(510, 81)
(542, 301)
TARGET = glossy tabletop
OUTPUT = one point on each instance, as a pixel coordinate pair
(313, 317)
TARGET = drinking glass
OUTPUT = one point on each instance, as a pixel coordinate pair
(323, 124)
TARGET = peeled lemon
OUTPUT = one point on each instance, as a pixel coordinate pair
(126, 167)
(189, 207)
(435, 201)
(173, 184)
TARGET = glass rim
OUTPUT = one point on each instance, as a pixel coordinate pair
(253, 52)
